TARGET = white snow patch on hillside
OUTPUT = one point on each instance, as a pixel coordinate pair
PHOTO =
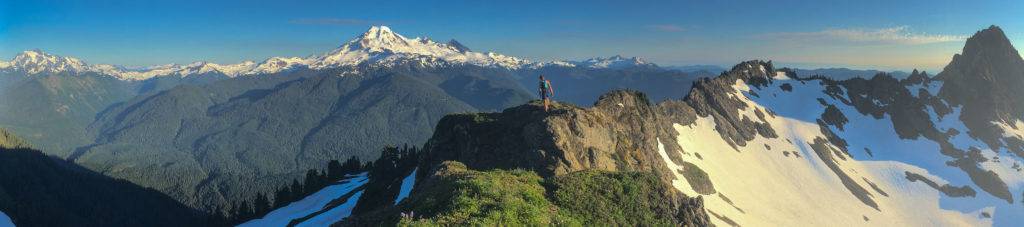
(931, 87)
(5, 221)
(1014, 130)
(407, 184)
(767, 187)
(314, 203)
(335, 214)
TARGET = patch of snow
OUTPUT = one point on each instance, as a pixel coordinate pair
(613, 62)
(819, 199)
(278, 64)
(931, 87)
(407, 184)
(1014, 130)
(314, 203)
(780, 75)
(766, 187)
(5, 221)
(334, 215)
(537, 65)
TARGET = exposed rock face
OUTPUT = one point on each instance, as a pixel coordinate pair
(620, 133)
(910, 125)
(713, 97)
(986, 79)
(617, 134)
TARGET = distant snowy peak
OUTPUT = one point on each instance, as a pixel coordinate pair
(378, 46)
(613, 62)
(278, 64)
(381, 46)
(36, 61)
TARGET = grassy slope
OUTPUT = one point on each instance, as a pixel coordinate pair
(459, 196)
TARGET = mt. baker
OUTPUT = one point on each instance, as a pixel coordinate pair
(210, 134)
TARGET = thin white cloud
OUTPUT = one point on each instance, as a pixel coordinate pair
(893, 35)
(666, 27)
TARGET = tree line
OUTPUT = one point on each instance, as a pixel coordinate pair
(392, 163)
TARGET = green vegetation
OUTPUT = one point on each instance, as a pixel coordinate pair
(9, 140)
(613, 198)
(314, 181)
(460, 197)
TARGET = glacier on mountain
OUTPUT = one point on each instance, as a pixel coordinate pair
(378, 46)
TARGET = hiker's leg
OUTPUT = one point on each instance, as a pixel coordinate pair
(545, 104)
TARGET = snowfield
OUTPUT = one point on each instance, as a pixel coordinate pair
(407, 183)
(333, 215)
(5, 221)
(317, 202)
(784, 182)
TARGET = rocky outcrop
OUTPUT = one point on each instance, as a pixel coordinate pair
(618, 134)
(716, 98)
(986, 79)
(623, 131)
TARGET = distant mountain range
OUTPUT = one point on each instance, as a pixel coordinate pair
(870, 147)
(379, 46)
(204, 132)
(757, 145)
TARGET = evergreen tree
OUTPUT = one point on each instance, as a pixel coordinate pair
(282, 197)
(245, 211)
(234, 215)
(334, 171)
(261, 204)
(311, 182)
(352, 165)
(368, 166)
(296, 192)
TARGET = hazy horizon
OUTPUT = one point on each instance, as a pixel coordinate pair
(866, 35)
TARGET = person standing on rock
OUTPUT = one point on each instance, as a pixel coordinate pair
(545, 91)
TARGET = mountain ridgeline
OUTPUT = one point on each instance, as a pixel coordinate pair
(40, 190)
(210, 135)
(754, 145)
(871, 151)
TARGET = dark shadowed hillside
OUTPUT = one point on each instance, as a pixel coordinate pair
(207, 144)
(39, 190)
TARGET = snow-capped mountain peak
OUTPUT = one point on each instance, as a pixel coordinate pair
(380, 45)
(613, 62)
(37, 61)
(381, 38)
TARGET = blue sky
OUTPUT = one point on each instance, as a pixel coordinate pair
(859, 34)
